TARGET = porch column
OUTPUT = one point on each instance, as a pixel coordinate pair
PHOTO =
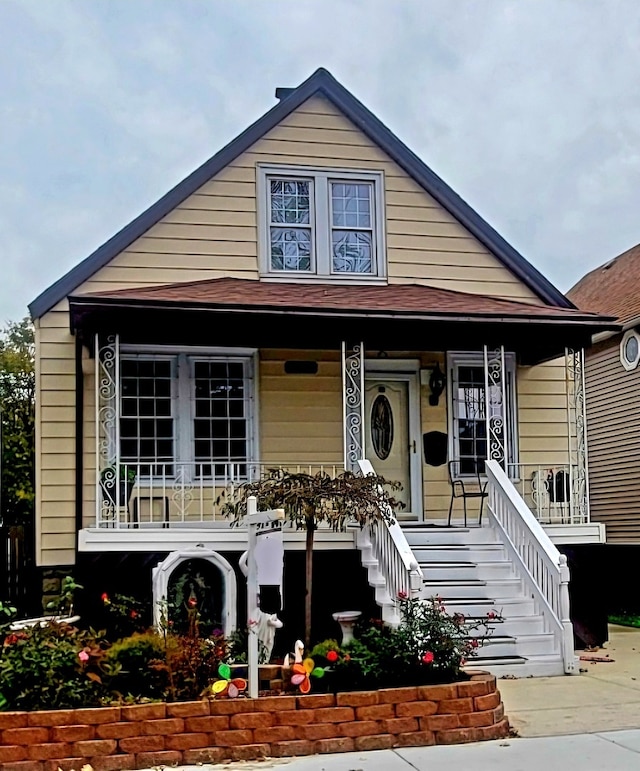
(496, 413)
(353, 404)
(107, 406)
(577, 435)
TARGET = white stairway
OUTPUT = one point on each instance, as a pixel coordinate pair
(471, 571)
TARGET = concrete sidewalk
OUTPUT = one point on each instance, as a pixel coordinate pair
(604, 697)
(613, 751)
(562, 722)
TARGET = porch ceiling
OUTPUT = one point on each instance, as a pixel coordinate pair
(229, 311)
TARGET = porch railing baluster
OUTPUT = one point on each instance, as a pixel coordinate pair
(539, 565)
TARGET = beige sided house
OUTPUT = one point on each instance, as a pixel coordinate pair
(613, 401)
(315, 297)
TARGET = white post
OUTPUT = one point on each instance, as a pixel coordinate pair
(252, 598)
(252, 521)
(568, 651)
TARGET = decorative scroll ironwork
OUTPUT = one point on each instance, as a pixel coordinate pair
(577, 433)
(182, 490)
(353, 404)
(496, 413)
(107, 385)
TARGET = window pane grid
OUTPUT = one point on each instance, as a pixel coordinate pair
(220, 422)
(147, 424)
(470, 418)
(290, 229)
(351, 227)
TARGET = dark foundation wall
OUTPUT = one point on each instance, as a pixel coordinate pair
(590, 592)
(339, 583)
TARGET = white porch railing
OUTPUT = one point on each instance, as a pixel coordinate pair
(536, 560)
(555, 493)
(178, 494)
(393, 570)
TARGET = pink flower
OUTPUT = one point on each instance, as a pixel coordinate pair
(83, 656)
(428, 658)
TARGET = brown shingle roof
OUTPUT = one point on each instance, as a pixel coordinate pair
(411, 299)
(612, 288)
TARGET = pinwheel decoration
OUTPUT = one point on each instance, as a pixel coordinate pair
(303, 672)
(233, 686)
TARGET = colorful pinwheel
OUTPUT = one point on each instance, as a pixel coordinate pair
(233, 686)
(303, 672)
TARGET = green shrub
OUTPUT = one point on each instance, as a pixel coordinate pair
(428, 646)
(53, 666)
(137, 666)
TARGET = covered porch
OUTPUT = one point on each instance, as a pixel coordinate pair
(189, 390)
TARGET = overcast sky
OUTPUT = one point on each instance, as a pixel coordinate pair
(529, 109)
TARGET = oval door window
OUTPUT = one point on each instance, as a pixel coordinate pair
(381, 426)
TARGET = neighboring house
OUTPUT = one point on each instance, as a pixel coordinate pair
(613, 402)
(296, 302)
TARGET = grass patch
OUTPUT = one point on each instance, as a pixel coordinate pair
(625, 619)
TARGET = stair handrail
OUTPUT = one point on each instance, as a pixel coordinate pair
(540, 565)
(388, 556)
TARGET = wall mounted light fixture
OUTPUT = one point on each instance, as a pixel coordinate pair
(437, 382)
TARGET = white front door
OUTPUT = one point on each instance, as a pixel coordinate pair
(389, 443)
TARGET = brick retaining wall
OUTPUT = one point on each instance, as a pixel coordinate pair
(146, 735)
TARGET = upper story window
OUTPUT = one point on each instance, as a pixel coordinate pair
(321, 223)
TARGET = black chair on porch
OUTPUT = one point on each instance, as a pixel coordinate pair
(466, 482)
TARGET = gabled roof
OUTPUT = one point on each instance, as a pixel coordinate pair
(412, 300)
(612, 288)
(324, 84)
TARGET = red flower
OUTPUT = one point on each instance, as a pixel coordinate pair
(133, 614)
(192, 602)
(474, 643)
(492, 614)
(402, 595)
(347, 657)
(332, 656)
(104, 597)
(428, 658)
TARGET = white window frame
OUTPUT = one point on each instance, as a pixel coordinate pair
(457, 359)
(321, 222)
(629, 364)
(183, 397)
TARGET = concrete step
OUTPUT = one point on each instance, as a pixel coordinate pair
(511, 625)
(449, 536)
(517, 666)
(489, 552)
(473, 589)
(527, 646)
(458, 570)
(507, 606)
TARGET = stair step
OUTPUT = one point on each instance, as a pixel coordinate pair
(511, 625)
(444, 571)
(449, 536)
(478, 589)
(507, 606)
(446, 552)
(493, 661)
